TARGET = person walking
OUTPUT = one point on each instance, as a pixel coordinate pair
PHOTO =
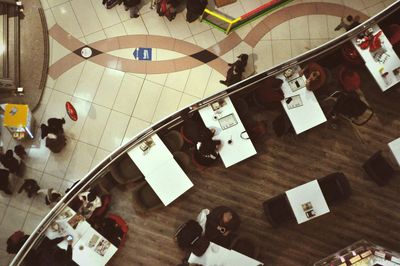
(51, 195)
(349, 22)
(132, 6)
(4, 181)
(30, 186)
(11, 163)
(54, 126)
(195, 9)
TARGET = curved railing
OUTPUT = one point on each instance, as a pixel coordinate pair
(178, 117)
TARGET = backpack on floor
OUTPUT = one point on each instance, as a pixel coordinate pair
(188, 233)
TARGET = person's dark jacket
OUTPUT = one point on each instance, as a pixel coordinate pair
(206, 152)
(194, 9)
(49, 254)
(10, 162)
(30, 186)
(4, 181)
(214, 219)
(131, 3)
(55, 126)
(57, 144)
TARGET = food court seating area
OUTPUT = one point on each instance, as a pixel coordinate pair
(289, 215)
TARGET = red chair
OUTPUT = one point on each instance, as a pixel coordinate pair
(185, 138)
(394, 34)
(101, 211)
(123, 226)
(351, 55)
(349, 79)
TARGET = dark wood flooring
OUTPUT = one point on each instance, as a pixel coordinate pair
(371, 213)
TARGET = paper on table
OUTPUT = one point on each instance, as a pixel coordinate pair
(102, 247)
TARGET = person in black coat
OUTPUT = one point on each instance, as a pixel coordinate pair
(10, 162)
(30, 186)
(132, 6)
(54, 126)
(206, 152)
(56, 143)
(195, 9)
(4, 181)
(49, 254)
(221, 222)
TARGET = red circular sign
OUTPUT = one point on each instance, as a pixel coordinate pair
(71, 111)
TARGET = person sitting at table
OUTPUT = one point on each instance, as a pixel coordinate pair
(315, 76)
(221, 222)
(90, 202)
(206, 149)
(50, 254)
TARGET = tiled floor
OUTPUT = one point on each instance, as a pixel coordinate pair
(116, 97)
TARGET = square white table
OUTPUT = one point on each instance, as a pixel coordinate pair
(156, 156)
(216, 255)
(241, 147)
(395, 148)
(309, 192)
(169, 181)
(373, 66)
(85, 255)
(67, 229)
(306, 116)
(161, 171)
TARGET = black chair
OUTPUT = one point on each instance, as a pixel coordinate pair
(125, 171)
(379, 169)
(173, 140)
(350, 107)
(282, 125)
(246, 245)
(184, 160)
(106, 184)
(335, 187)
(146, 197)
(278, 210)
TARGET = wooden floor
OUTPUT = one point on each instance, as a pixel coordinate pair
(371, 213)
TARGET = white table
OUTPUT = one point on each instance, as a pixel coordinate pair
(169, 181)
(81, 236)
(66, 228)
(309, 192)
(373, 66)
(306, 116)
(85, 255)
(395, 148)
(161, 171)
(216, 255)
(241, 147)
(155, 157)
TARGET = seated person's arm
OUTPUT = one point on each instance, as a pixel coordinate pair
(69, 250)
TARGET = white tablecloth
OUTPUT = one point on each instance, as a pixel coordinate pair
(216, 255)
(306, 116)
(240, 148)
(309, 192)
(374, 66)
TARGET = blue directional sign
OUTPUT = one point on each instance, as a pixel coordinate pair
(142, 54)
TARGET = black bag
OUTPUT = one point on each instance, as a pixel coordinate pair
(188, 233)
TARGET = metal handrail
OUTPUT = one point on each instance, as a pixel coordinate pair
(99, 170)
